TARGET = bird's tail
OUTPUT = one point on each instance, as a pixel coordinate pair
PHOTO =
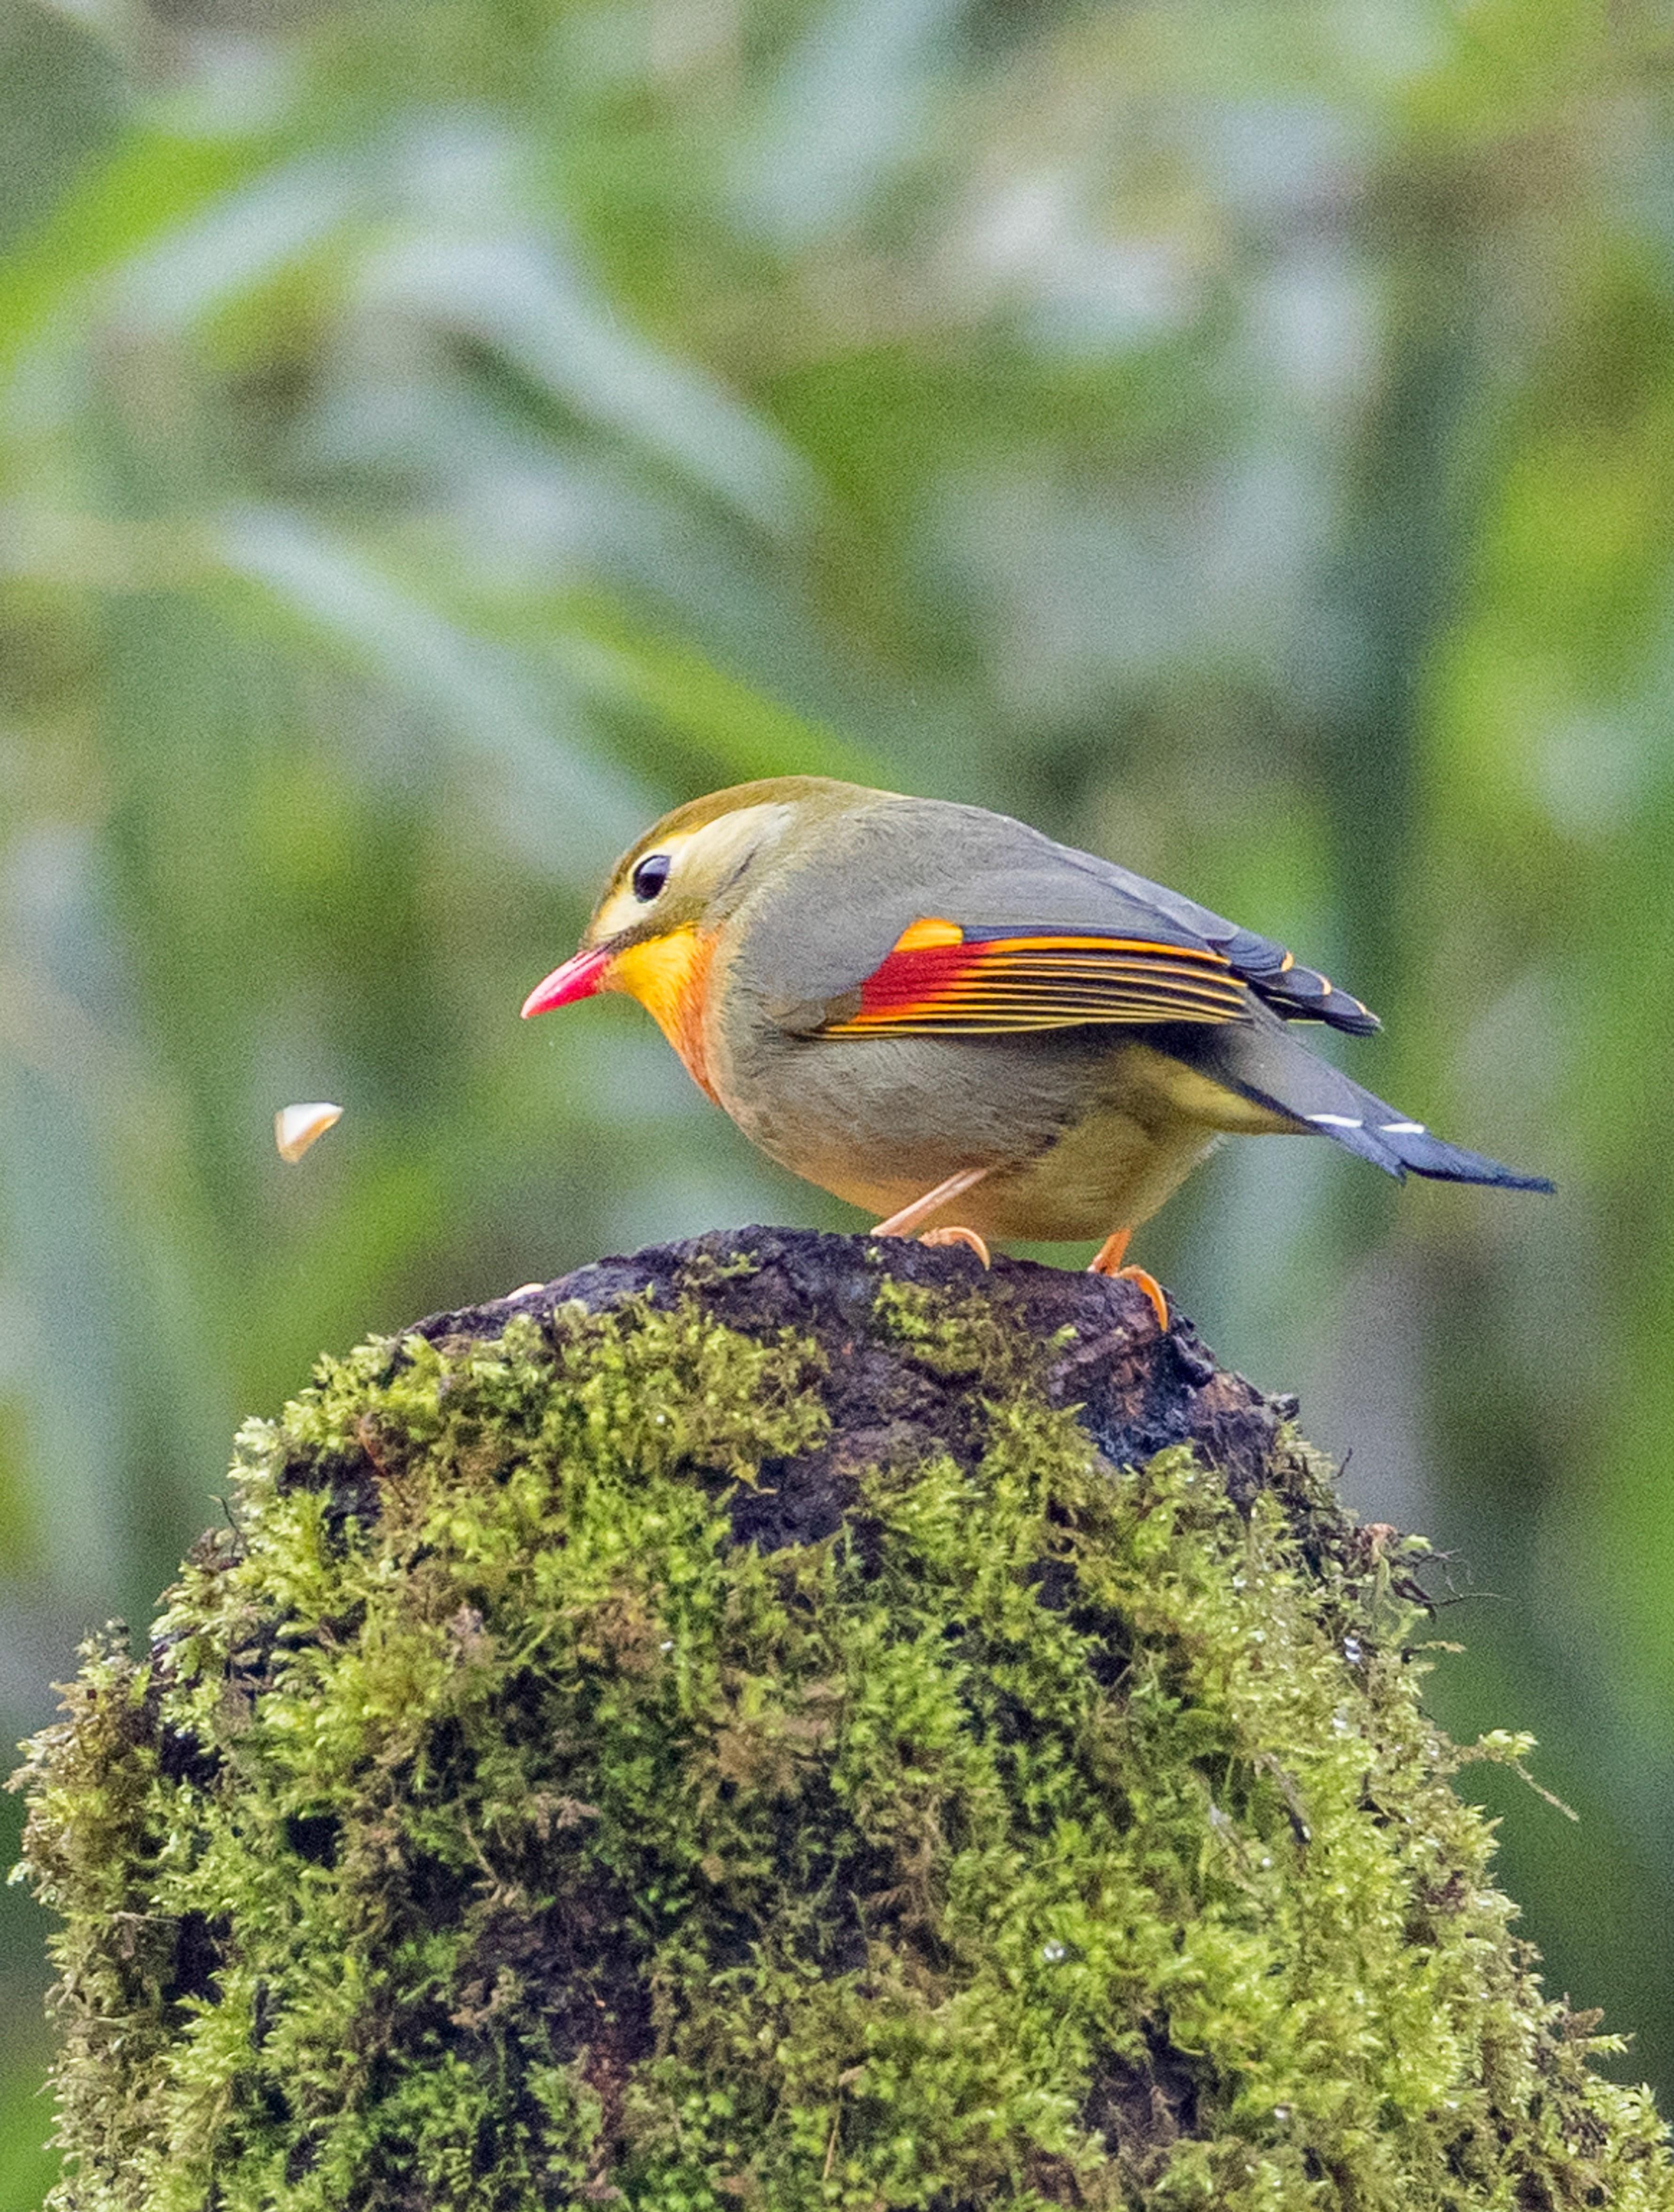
(1263, 1062)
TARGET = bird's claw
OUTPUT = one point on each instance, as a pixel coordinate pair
(1153, 1290)
(1108, 1261)
(968, 1237)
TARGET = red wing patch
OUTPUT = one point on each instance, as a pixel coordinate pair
(937, 981)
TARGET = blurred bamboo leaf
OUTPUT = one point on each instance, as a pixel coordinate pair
(565, 813)
(152, 184)
(516, 296)
(745, 733)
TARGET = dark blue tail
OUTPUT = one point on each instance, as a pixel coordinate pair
(1265, 1061)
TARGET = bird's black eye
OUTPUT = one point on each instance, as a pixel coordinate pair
(649, 877)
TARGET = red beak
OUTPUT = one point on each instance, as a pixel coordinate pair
(579, 978)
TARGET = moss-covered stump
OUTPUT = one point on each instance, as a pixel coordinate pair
(788, 1721)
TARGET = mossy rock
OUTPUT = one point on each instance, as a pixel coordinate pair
(789, 1722)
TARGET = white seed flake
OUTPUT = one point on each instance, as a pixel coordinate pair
(296, 1127)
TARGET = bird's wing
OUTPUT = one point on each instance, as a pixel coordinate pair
(1295, 993)
(945, 978)
(975, 924)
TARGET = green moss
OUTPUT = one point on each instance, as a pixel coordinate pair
(489, 1828)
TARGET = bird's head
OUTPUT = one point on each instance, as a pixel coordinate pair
(670, 896)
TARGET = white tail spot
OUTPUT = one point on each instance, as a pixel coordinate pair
(1401, 1128)
(1336, 1120)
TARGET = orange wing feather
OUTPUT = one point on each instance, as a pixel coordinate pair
(938, 981)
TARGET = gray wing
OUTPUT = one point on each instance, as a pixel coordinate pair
(995, 878)
(1295, 993)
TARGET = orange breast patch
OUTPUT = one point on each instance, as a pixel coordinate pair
(669, 976)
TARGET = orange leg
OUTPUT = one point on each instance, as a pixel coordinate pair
(1107, 1261)
(904, 1222)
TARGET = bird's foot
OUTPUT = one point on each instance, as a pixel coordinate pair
(1152, 1288)
(968, 1237)
(1107, 1261)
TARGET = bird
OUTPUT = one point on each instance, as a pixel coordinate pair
(943, 1016)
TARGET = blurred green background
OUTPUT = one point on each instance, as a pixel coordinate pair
(437, 436)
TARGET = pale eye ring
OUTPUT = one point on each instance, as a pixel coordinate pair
(649, 876)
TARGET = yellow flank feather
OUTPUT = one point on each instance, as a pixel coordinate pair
(933, 930)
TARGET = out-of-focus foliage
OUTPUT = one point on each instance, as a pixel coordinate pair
(437, 434)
